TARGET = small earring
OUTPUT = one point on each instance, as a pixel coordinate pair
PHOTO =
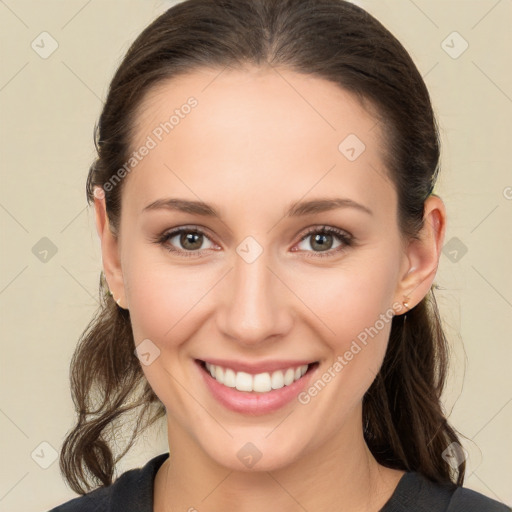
(406, 303)
(118, 302)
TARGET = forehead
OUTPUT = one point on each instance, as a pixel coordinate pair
(255, 129)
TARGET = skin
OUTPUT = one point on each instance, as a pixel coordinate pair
(259, 140)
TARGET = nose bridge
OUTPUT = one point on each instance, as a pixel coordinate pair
(255, 308)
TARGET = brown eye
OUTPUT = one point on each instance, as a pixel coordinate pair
(191, 241)
(324, 240)
(186, 241)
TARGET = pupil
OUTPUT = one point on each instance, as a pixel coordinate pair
(189, 237)
(323, 245)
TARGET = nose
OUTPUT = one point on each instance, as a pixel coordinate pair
(255, 305)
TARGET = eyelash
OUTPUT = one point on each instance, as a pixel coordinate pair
(344, 237)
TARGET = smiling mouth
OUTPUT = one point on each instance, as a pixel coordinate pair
(263, 382)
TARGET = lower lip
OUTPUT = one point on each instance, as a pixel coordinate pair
(255, 403)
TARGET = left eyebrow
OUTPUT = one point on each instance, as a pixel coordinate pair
(297, 209)
(322, 205)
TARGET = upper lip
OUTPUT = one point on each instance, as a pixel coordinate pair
(255, 368)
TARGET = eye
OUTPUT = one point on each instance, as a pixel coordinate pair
(190, 239)
(324, 238)
(188, 242)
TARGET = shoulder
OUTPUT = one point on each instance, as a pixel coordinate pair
(467, 500)
(132, 491)
(97, 500)
(415, 492)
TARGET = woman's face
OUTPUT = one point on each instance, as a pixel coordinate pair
(255, 286)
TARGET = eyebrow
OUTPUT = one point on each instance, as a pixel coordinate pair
(297, 209)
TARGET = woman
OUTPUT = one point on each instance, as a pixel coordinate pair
(269, 235)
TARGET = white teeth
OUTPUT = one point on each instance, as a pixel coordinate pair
(277, 380)
(289, 376)
(219, 373)
(261, 382)
(229, 378)
(243, 381)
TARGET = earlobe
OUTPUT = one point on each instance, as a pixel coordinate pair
(109, 249)
(423, 255)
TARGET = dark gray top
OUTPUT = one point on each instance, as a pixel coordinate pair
(133, 492)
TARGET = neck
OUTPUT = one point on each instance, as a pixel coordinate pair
(342, 475)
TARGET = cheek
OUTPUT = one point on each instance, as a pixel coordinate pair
(163, 300)
(167, 306)
(166, 296)
(351, 298)
(354, 303)
(356, 310)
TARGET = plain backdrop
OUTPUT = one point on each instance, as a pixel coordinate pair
(51, 91)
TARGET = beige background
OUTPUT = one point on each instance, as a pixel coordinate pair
(48, 110)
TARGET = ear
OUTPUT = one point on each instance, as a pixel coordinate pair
(110, 253)
(422, 256)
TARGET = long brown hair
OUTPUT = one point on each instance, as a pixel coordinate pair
(404, 423)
